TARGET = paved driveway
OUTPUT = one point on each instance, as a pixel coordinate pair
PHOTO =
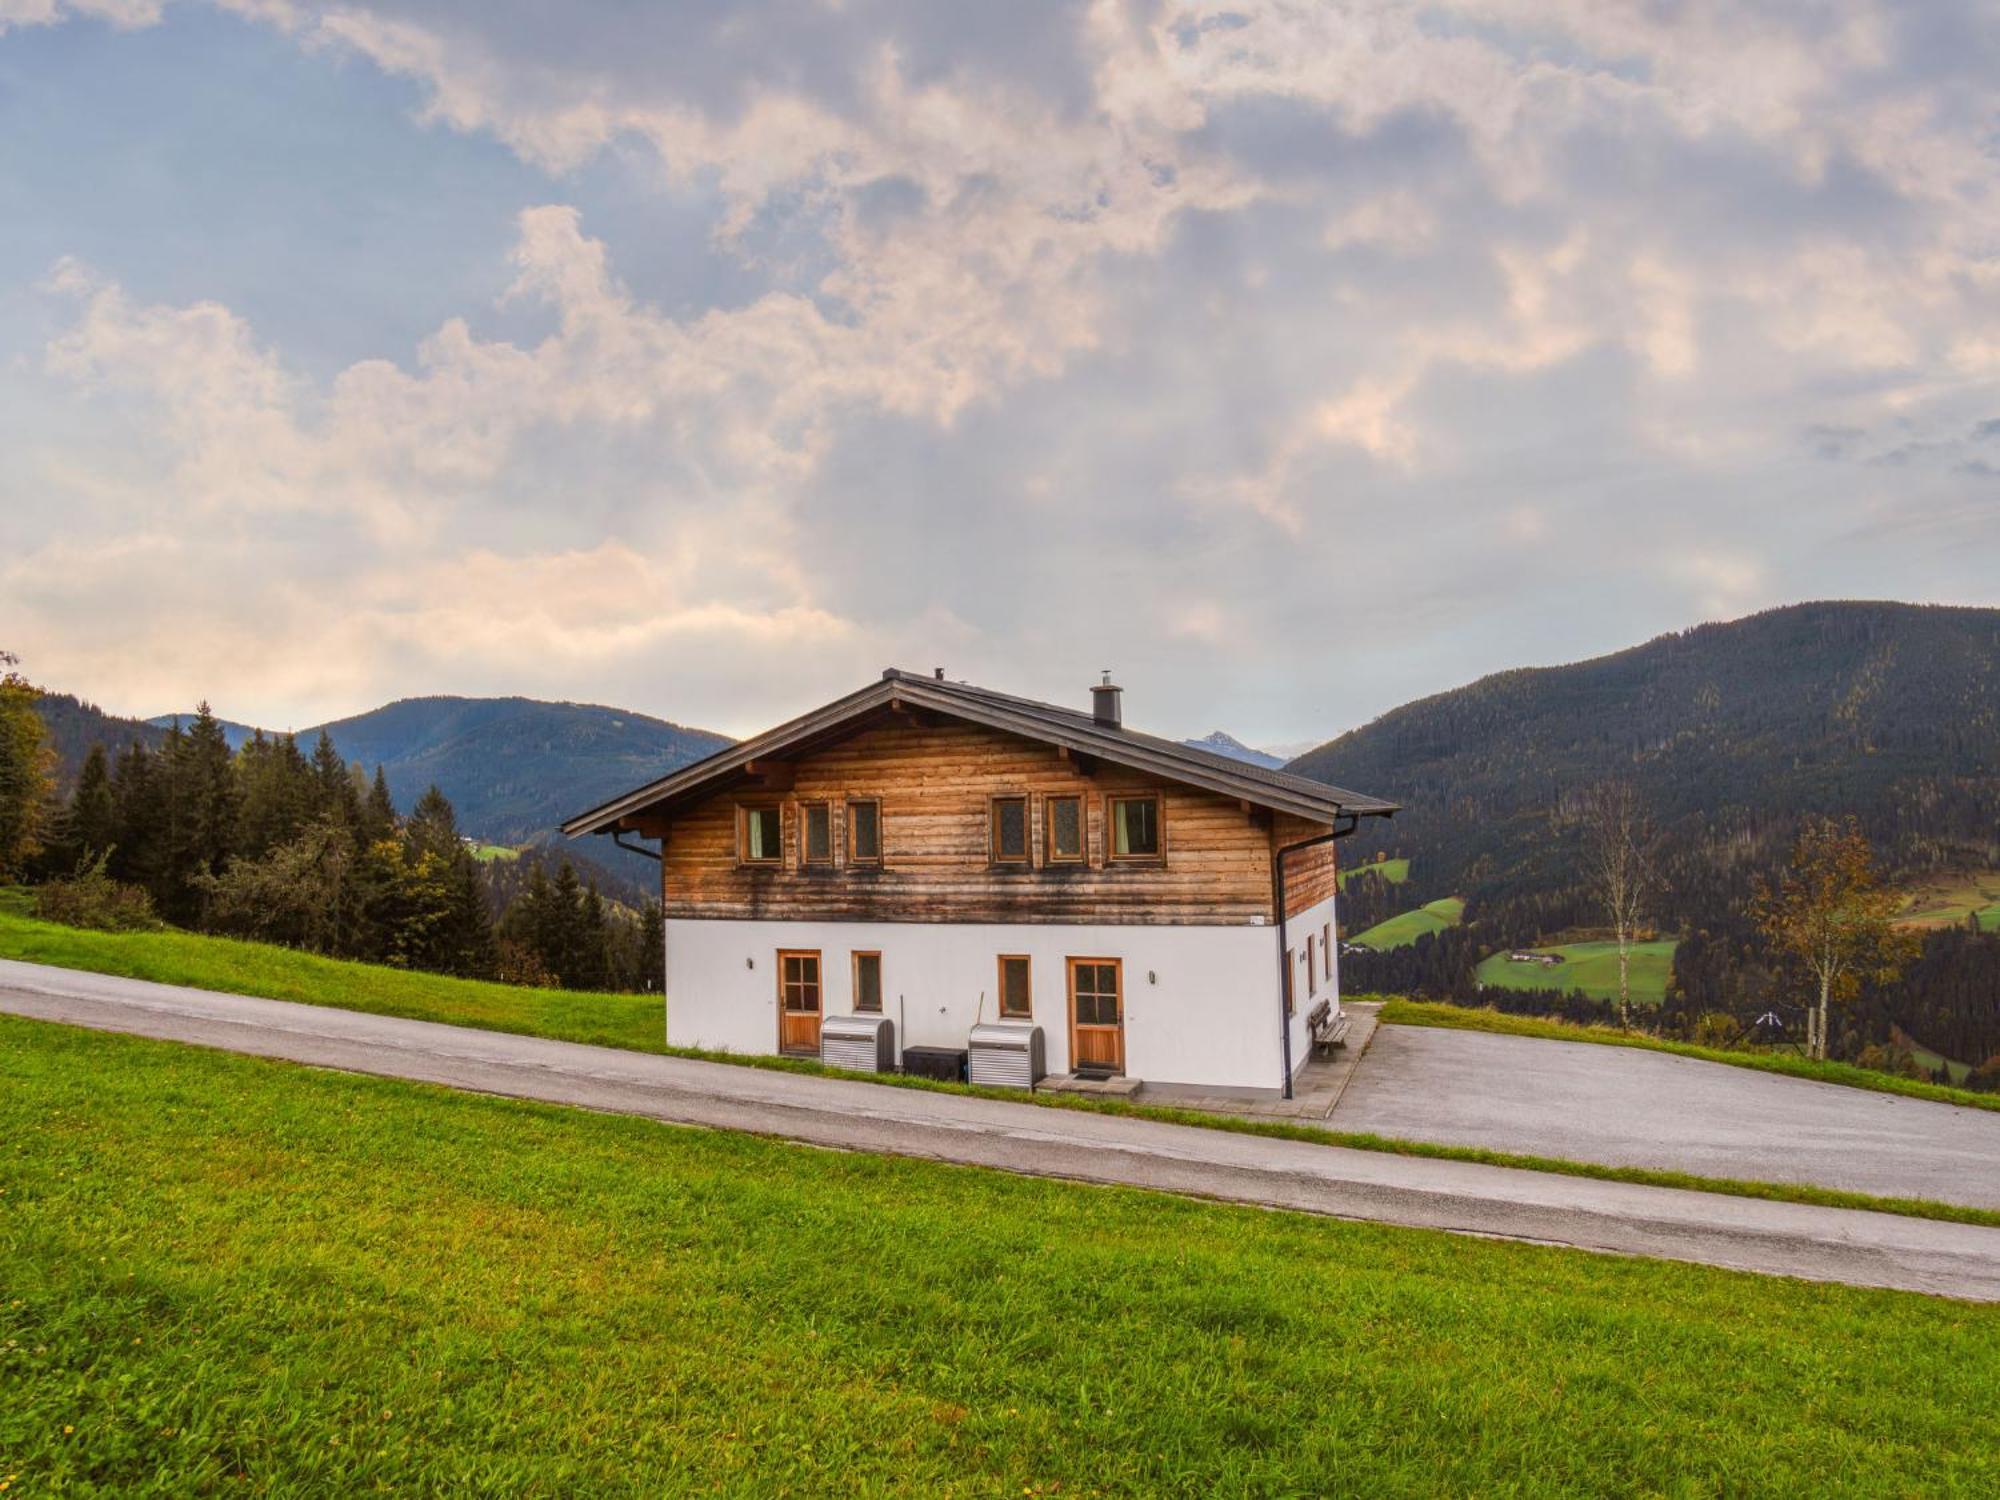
(1789, 1239)
(1630, 1107)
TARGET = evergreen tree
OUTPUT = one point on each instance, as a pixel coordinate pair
(276, 795)
(26, 762)
(378, 811)
(592, 961)
(334, 795)
(433, 825)
(135, 855)
(93, 807)
(208, 786)
(652, 966)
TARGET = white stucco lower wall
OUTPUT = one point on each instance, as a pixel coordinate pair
(1324, 983)
(1201, 1003)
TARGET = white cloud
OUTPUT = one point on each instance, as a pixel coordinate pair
(1214, 300)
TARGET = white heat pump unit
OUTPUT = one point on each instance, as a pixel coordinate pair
(861, 1044)
(1008, 1057)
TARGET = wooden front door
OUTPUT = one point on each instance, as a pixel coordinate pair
(1096, 1014)
(798, 1002)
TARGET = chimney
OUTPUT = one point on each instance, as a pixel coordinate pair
(1104, 702)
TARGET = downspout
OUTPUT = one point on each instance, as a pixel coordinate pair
(1284, 959)
(618, 838)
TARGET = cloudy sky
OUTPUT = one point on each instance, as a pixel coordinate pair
(1293, 360)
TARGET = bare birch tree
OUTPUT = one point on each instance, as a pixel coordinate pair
(1618, 848)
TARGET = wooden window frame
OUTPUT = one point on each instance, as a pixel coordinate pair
(744, 810)
(1111, 854)
(1312, 971)
(855, 961)
(1291, 984)
(806, 810)
(1326, 952)
(1026, 858)
(865, 861)
(1049, 854)
(1000, 967)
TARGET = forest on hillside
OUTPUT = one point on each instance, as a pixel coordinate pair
(1731, 736)
(271, 843)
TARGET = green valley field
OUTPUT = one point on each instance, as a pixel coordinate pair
(1392, 871)
(1589, 969)
(1407, 927)
(226, 1273)
(1950, 900)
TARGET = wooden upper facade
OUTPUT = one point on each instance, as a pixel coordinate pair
(921, 800)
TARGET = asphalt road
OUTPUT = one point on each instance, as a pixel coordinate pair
(1778, 1238)
(1627, 1107)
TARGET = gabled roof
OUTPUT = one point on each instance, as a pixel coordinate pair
(1077, 732)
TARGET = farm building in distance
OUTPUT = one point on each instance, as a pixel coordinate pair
(942, 859)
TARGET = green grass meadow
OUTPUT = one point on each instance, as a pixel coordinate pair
(1590, 969)
(1406, 927)
(169, 956)
(1394, 871)
(1949, 900)
(220, 1274)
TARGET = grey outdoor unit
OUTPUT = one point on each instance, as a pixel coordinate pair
(860, 1044)
(1008, 1057)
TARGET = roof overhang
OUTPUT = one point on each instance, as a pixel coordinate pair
(902, 690)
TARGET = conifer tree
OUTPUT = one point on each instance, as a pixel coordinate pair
(26, 764)
(93, 809)
(135, 853)
(334, 789)
(651, 975)
(378, 811)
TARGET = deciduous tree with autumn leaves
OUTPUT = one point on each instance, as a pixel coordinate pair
(1830, 916)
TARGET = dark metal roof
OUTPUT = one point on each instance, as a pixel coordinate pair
(1074, 730)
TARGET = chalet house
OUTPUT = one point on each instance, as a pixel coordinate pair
(946, 858)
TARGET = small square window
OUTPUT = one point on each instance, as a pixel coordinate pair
(1016, 1001)
(1135, 827)
(864, 833)
(761, 837)
(1010, 830)
(1065, 826)
(868, 982)
(818, 833)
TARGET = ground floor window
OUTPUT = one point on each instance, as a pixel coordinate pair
(868, 981)
(1016, 1001)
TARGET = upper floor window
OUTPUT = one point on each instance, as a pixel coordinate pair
(864, 833)
(1009, 839)
(818, 834)
(1064, 817)
(759, 836)
(1135, 827)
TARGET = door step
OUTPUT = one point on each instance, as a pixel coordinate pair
(1116, 1086)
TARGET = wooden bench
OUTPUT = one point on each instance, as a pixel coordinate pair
(1328, 1030)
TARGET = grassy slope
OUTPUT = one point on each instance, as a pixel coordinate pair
(1592, 969)
(634, 1023)
(1407, 927)
(1947, 900)
(1395, 871)
(486, 853)
(1469, 1018)
(218, 1266)
(212, 963)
